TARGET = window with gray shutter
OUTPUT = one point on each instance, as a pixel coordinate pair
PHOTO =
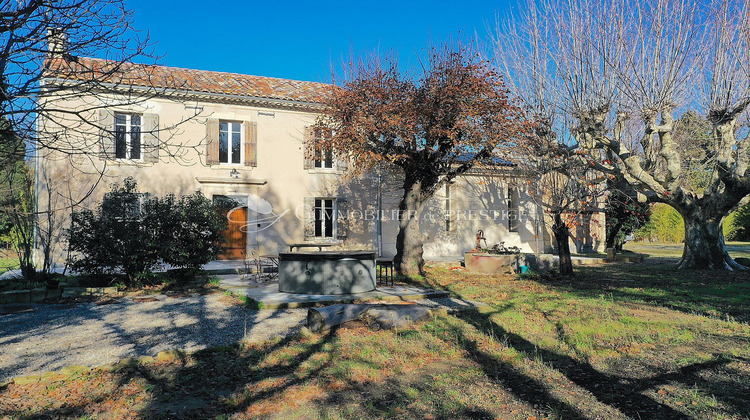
(106, 134)
(121, 135)
(251, 142)
(151, 138)
(309, 217)
(212, 141)
(342, 218)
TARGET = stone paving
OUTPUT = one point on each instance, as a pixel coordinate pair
(268, 293)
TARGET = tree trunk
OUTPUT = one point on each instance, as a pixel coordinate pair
(409, 244)
(619, 242)
(704, 243)
(611, 241)
(561, 232)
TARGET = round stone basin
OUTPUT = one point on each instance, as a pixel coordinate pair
(327, 272)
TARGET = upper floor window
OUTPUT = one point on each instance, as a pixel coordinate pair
(323, 158)
(128, 142)
(128, 137)
(319, 157)
(230, 142)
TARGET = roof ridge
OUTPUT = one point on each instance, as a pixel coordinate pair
(227, 86)
(206, 71)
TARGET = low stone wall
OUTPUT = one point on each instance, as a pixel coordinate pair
(539, 262)
(482, 262)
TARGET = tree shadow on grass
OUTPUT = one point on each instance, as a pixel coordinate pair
(420, 395)
(226, 379)
(704, 292)
(524, 387)
(182, 324)
(624, 394)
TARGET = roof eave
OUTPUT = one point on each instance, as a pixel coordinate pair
(195, 95)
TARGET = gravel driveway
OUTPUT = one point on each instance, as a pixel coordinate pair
(53, 336)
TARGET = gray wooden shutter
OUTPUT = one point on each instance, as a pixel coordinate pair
(106, 134)
(309, 148)
(342, 218)
(342, 162)
(212, 141)
(309, 220)
(251, 141)
(151, 138)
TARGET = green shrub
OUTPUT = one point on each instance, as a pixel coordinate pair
(193, 234)
(665, 225)
(117, 236)
(624, 215)
(737, 224)
(131, 233)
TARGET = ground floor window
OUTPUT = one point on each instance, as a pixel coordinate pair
(513, 213)
(450, 224)
(324, 213)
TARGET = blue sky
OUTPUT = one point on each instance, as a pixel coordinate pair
(302, 39)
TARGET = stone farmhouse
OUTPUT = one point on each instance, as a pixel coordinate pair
(244, 141)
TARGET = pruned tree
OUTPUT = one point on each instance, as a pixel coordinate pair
(564, 186)
(433, 127)
(619, 72)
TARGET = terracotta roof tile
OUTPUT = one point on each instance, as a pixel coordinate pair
(186, 80)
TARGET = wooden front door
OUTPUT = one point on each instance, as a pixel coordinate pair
(235, 237)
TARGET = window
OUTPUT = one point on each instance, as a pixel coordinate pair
(324, 158)
(230, 142)
(449, 223)
(126, 206)
(513, 210)
(324, 214)
(326, 219)
(317, 157)
(323, 155)
(128, 136)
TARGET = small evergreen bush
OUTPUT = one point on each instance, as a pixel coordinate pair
(130, 232)
(193, 235)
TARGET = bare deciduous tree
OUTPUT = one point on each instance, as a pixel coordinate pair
(614, 75)
(43, 70)
(39, 39)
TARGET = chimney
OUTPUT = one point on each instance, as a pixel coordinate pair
(56, 40)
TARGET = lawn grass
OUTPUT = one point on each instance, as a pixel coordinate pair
(8, 261)
(736, 249)
(617, 341)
